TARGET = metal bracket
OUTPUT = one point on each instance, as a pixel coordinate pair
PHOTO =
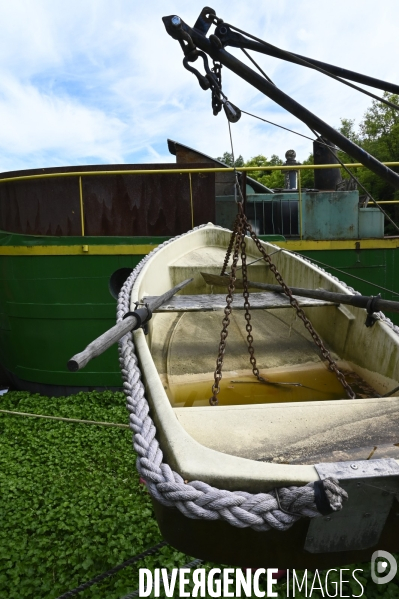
(371, 486)
(205, 19)
(371, 318)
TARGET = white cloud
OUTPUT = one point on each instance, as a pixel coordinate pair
(91, 81)
(35, 123)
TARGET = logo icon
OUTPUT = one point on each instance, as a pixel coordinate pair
(383, 567)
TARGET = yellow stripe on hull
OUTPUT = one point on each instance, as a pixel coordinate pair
(142, 249)
(75, 250)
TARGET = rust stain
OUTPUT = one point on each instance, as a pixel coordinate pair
(115, 205)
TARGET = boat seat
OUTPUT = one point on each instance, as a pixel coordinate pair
(210, 302)
(211, 259)
(299, 433)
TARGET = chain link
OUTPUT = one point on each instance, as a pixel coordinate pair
(319, 343)
(247, 305)
(230, 248)
(216, 91)
(237, 240)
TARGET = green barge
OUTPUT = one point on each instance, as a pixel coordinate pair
(69, 237)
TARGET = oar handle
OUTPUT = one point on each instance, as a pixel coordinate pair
(99, 345)
(359, 301)
(130, 322)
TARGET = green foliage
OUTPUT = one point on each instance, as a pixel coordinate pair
(71, 503)
(378, 134)
(380, 128)
(275, 179)
(271, 179)
(227, 158)
(72, 506)
(307, 176)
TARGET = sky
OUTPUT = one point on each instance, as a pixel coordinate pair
(100, 82)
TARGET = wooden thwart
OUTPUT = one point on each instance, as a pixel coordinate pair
(208, 303)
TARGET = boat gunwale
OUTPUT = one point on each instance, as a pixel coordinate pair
(184, 454)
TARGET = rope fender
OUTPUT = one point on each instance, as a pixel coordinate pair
(278, 509)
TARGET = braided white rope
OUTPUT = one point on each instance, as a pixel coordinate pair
(197, 499)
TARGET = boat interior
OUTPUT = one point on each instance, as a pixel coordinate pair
(301, 414)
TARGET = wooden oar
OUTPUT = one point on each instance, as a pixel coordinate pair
(99, 345)
(359, 301)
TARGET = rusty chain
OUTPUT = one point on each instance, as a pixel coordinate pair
(241, 227)
(308, 325)
(247, 305)
(235, 241)
(230, 247)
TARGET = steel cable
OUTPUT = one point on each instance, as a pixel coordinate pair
(305, 63)
(114, 570)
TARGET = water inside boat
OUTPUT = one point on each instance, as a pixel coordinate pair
(309, 383)
(186, 345)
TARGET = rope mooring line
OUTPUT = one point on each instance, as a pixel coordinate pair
(114, 570)
(76, 420)
(196, 499)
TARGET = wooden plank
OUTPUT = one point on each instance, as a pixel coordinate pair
(211, 302)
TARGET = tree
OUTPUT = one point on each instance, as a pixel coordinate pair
(380, 128)
(271, 179)
(227, 158)
(307, 176)
(378, 134)
(275, 179)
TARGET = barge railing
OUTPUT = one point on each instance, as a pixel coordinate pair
(190, 171)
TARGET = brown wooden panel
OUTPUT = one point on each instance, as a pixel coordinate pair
(116, 205)
(42, 207)
(187, 156)
(147, 204)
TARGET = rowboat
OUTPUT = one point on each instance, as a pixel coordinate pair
(290, 428)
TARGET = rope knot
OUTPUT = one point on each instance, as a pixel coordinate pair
(335, 494)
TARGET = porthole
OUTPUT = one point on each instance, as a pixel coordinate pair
(117, 280)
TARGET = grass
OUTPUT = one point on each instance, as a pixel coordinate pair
(72, 506)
